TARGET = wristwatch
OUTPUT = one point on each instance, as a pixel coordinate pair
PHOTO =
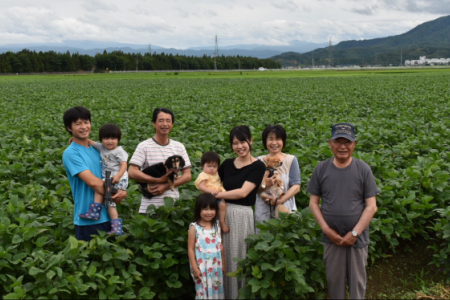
(355, 234)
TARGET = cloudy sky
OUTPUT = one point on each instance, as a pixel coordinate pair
(189, 23)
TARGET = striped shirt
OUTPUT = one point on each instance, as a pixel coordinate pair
(148, 153)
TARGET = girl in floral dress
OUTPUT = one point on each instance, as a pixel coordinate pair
(205, 250)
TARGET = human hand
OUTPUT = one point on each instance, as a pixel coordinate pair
(269, 200)
(197, 274)
(224, 270)
(348, 239)
(159, 189)
(164, 178)
(215, 193)
(115, 179)
(70, 140)
(271, 180)
(119, 196)
(333, 236)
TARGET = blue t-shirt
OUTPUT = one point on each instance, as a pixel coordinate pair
(76, 159)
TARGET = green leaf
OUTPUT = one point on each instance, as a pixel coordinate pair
(73, 243)
(34, 271)
(50, 274)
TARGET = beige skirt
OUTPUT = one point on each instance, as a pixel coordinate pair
(240, 220)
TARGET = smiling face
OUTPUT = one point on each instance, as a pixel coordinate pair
(163, 124)
(110, 143)
(241, 148)
(342, 149)
(80, 129)
(274, 144)
(207, 214)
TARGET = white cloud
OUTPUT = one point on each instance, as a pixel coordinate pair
(187, 23)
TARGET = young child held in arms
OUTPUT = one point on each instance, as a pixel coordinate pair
(114, 159)
(205, 250)
(208, 181)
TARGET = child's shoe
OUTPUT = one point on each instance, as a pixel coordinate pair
(94, 212)
(116, 227)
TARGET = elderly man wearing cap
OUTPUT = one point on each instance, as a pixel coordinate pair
(348, 189)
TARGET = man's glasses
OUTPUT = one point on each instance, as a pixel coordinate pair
(342, 142)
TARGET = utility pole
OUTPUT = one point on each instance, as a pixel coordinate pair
(216, 52)
(312, 60)
(239, 61)
(150, 49)
(137, 62)
(401, 57)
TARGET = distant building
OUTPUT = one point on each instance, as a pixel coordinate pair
(423, 60)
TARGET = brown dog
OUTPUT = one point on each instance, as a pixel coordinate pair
(276, 190)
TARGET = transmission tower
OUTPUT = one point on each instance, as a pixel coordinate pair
(401, 57)
(330, 53)
(216, 52)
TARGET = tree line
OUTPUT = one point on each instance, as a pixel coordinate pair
(27, 61)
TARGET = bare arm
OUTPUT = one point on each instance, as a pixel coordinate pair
(97, 185)
(364, 221)
(317, 213)
(158, 189)
(191, 254)
(135, 173)
(243, 192)
(186, 176)
(91, 142)
(293, 190)
(123, 168)
(92, 181)
(202, 188)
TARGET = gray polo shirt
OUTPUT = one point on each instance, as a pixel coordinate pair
(344, 192)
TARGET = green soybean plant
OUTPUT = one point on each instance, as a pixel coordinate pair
(285, 260)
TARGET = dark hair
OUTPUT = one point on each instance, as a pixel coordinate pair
(164, 110)
(204, 201)
(242, 133)
(279, 132)
(74, 114)
(210, 157)
(109, 131)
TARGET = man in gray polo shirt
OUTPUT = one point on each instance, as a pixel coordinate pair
(348, 189)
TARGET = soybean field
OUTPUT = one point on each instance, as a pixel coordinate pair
(402, 121)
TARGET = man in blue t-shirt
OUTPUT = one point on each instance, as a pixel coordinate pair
(84, 171)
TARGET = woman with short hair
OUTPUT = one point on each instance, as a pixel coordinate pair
(274, 139)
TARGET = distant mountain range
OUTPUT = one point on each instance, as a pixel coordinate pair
(93, 47)
(431, 39)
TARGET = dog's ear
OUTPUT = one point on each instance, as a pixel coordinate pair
(182, 162)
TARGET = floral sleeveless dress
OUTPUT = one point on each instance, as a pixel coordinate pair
(208, 246)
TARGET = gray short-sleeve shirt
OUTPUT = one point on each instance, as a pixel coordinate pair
(344, 192)
(111, 159)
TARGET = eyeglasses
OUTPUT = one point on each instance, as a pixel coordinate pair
(346, 143)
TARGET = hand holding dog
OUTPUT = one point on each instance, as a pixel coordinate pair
(164, 178)
(159, 188)
(270, 181)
